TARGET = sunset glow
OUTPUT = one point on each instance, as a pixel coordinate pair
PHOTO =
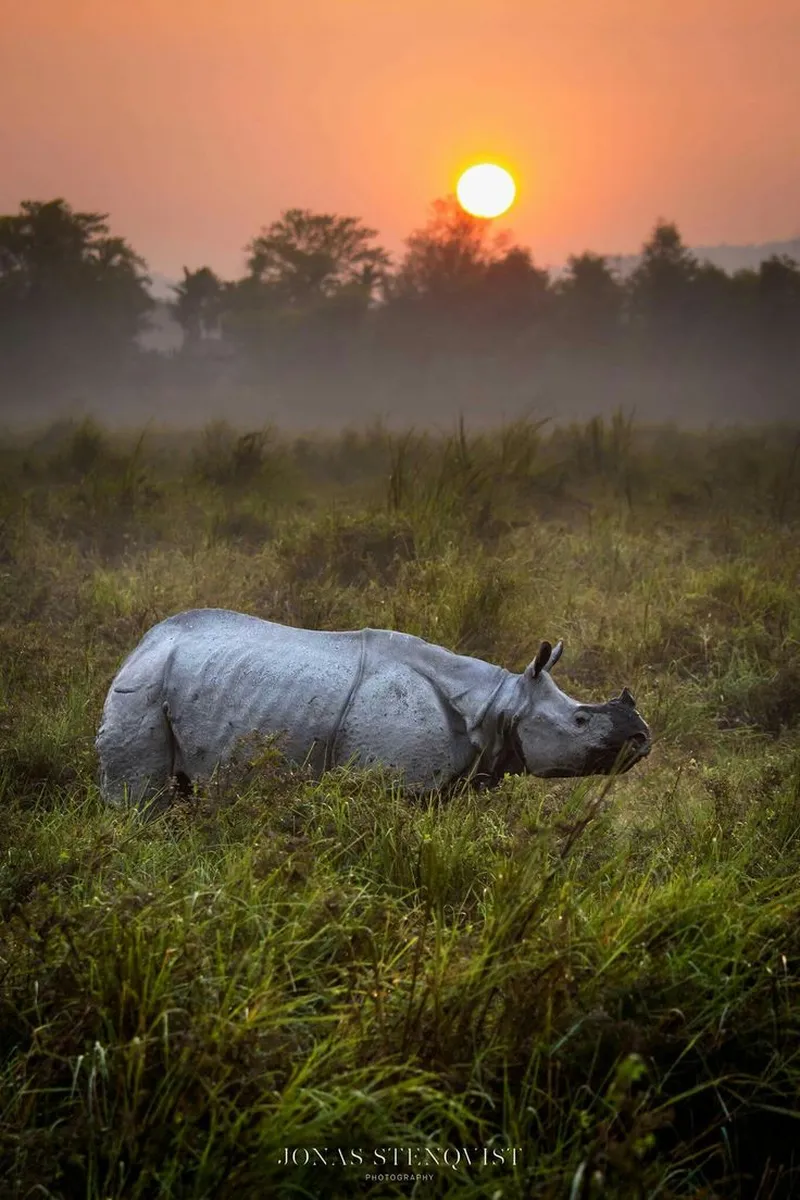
(619, 112)
(486, 190)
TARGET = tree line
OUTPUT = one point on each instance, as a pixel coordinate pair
(319, 288)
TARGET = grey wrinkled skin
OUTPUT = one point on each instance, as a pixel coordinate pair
(200, 681)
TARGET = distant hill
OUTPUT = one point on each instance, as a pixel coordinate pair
(728, 258)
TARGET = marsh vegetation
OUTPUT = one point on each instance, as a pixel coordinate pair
(605, 976)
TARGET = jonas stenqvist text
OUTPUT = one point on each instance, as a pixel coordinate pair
(452, 1158)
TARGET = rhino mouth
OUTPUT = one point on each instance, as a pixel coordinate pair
(633, 750)
(618, 760)
(632, 742)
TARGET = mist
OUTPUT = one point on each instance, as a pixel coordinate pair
(324, 331)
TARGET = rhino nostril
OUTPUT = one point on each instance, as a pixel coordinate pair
(639, 739)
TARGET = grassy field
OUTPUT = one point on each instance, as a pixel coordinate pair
(598, 984)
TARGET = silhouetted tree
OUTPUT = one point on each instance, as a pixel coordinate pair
(199, 302)
(69, 290)
(779, 295)
(515, 292)
(660, 287)
(305, 257)
(590, 301)
(311, 279)
(59, 262)
(778, 329)
(718, 315)
(460, 277)
(447, 258)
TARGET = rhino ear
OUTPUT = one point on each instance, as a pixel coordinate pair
(545, 660)
(539, 664)
(627, 697)
(558, 650)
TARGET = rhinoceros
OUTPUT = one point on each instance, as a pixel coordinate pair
(200, 681)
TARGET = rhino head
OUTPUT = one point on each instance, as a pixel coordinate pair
(557, 736)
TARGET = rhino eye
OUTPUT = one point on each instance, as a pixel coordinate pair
(581, 718)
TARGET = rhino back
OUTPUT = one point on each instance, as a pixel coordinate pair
(232, 677)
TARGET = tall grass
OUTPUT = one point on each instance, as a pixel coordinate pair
(598, 981)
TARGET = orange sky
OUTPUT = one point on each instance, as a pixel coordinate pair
(194, 122)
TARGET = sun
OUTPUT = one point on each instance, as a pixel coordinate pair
(486, 190)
